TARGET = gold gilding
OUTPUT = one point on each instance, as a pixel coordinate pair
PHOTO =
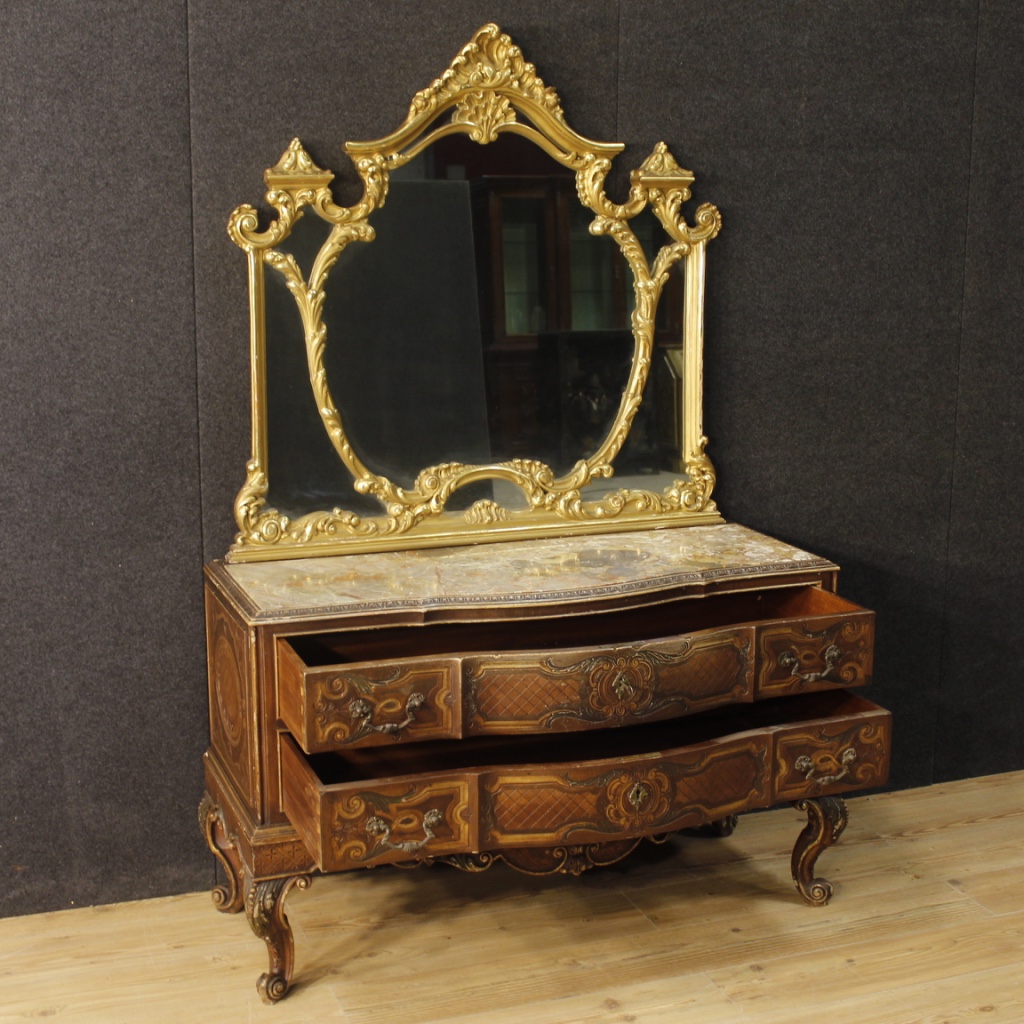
(489, 90)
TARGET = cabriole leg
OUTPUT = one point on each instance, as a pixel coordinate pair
(826, 819)
(227, 898)
(264, 907)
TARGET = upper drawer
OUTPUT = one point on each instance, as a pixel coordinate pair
(418, 683)
(820, 641)
(368, 703)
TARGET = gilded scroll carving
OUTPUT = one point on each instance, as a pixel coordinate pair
(489, 89)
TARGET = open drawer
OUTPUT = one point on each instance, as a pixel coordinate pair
(375, 806)
(374, 687)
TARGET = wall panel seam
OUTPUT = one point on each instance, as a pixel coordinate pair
(945, 631)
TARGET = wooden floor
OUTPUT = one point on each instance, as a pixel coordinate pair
(927, 925)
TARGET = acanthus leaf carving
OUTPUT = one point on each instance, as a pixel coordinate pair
(485, 86)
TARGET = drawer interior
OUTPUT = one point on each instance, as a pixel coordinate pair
(381, 763)
(687, 615)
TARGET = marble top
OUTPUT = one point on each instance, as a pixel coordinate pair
(552, 570)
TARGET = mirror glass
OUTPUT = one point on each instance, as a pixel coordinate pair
(483, 323)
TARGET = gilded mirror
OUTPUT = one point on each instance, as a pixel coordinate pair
(485, 346)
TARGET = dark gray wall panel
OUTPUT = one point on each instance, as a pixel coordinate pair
(335, 73)
(863, 389)
(836, 143)
(982, 722)
(102, 666)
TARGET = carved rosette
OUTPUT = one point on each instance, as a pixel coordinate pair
(488, 89)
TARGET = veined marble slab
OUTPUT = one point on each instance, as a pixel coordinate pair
(556, 570)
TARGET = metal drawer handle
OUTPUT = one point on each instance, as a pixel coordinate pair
(379, 828)
(362, 712)
(806, 765)
(790, 660)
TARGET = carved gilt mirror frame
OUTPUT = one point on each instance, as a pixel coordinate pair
(489, 90)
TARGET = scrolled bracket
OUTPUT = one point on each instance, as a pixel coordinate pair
(292, 183)
(227, 898)
(826, 819)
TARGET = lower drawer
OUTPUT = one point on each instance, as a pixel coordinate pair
(383, 805)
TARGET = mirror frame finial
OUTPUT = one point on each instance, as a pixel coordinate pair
(490, 89)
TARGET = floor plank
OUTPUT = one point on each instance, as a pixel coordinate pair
(926, 927)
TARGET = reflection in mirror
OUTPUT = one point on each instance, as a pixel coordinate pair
(483, 323)
(403, 358)
(306, 472)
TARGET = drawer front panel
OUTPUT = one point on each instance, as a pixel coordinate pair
(358, 824)
(830, 743)
(335, 707)
(833, 756)
(396, 822)
(638, 796)
(589, 688)
(815, 653)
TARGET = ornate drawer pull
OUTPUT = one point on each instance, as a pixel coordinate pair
(790, 660)
(362, 712)
(379, 828)
(806, 765)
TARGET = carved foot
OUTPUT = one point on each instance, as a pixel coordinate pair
(227, 898)
(826, 819)
(264, 907)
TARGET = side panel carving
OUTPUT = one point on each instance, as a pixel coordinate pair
(232, 718)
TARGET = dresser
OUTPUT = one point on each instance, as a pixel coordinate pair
(547, 703)
(481, 607)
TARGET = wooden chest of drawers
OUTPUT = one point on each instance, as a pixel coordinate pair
(546, 703)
